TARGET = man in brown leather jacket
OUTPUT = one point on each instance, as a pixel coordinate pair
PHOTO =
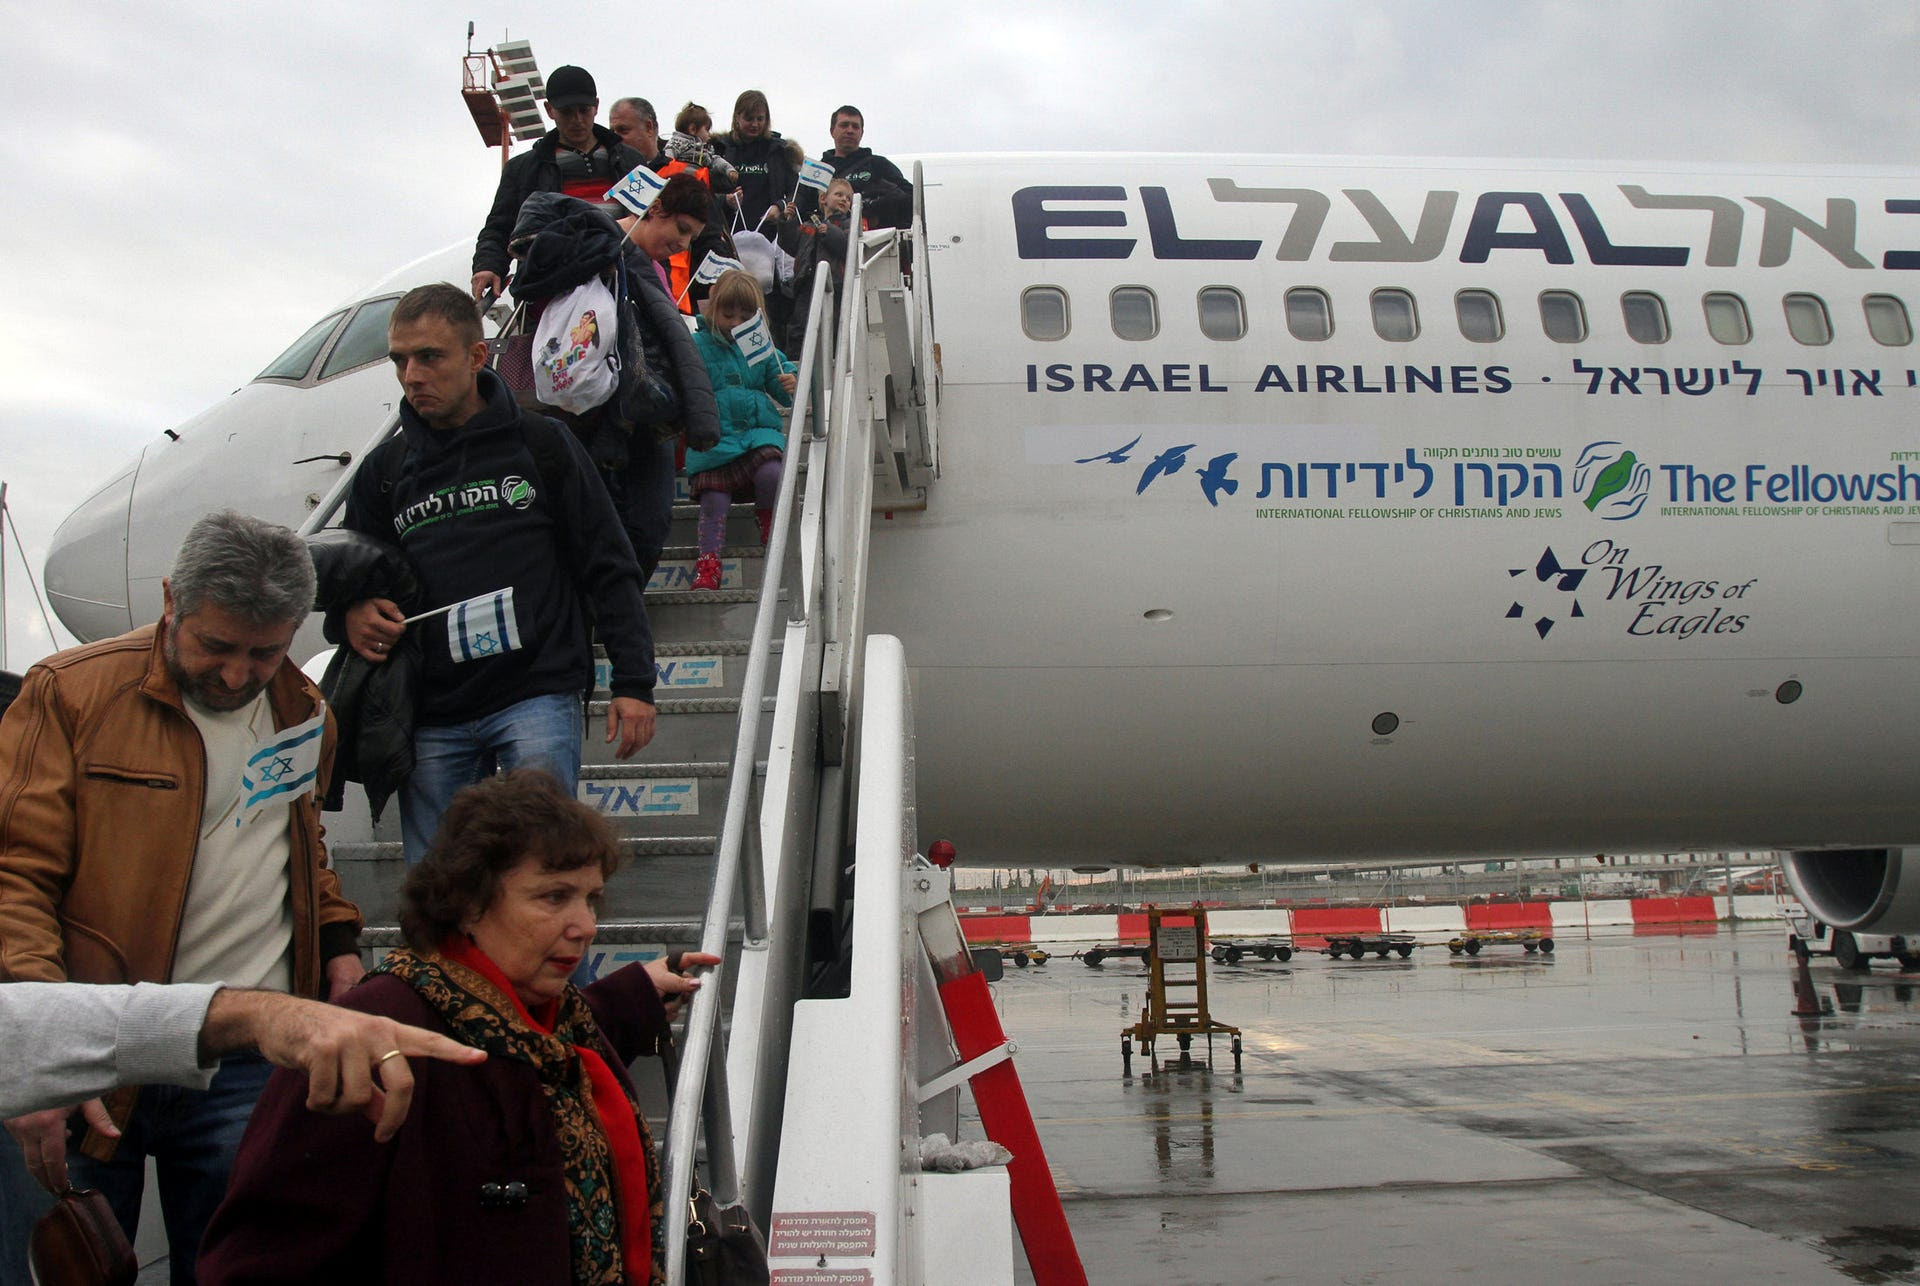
(159, 823)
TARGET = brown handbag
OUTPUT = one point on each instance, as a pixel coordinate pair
(80, 1243)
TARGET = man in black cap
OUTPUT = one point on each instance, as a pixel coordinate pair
(576, 157)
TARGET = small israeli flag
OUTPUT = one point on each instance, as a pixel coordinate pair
(815, 174)
(283, 769)
(482, 626)
(753, 340)
(637, 190)
(713, 265)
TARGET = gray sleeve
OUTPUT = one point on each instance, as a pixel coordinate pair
(62, 1043)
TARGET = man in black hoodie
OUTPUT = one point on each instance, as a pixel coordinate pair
(576, 157)
(485, 499)
(886, 196)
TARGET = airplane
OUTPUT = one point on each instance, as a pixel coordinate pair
(1318, 508)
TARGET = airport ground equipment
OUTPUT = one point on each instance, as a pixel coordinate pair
(1358, 945)
(1176, 990)
(1232, 952)
(1023, 954)
(1810, 937)
(983, 1059)
(1094, 955)
(1529, 940)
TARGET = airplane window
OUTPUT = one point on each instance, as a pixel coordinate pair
(1727, 319)
(1043, 312)
(363, 341)
(1394, 316)
(1136, 314)
(293, 364)
(1309, 314)
(1223, 313)
(1478, 312)
(1807, 319)
(1563, 316)
(1887, 320)
(1646, 317)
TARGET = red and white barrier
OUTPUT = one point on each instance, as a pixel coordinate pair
(1307, 923)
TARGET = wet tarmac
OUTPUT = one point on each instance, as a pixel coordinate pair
(1628, 1109)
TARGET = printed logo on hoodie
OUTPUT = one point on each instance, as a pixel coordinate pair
(513, 491)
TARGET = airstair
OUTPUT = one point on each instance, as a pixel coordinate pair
(770, 822)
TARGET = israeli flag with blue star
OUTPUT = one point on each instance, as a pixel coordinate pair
(817, 175)
(482, 626)
(637, 190)
(753, 340)
(714, 265)
(287, 766)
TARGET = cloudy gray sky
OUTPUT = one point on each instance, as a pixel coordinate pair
(189, 186)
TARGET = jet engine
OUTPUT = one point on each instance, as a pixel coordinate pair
(1863, 890)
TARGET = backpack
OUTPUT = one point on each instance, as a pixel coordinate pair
(644, 398)
(575, 347)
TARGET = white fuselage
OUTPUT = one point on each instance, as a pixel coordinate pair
(1268, 597)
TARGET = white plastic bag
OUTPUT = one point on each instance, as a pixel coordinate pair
(771, 266)
(575, 366)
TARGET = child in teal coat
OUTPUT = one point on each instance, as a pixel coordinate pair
(748, 459)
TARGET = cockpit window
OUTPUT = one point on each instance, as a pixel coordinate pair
(293, 364)
(363, 341)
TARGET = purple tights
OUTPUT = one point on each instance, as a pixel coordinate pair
(714, 505)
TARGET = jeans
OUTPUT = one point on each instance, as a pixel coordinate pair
(193, 1136)
(540, 732)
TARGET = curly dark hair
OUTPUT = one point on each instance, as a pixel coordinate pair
(488, 830)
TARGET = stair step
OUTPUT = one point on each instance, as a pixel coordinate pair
(650, 798)
(701, 597)
(740, 568)
(688, 730)
(662, 877)
(682, 616)
(709, 667)
(687, 553)
(632, 847)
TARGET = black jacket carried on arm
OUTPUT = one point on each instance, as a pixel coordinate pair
(565, 242)
(372, 704)
(508, 500)
(536, 170)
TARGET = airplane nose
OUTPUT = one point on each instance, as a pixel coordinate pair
(86, 572)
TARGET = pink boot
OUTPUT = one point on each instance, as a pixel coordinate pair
(763, 519)
(706, 572)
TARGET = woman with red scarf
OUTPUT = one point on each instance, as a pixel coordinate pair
(534, 1167)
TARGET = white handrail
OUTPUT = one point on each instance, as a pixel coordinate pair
(700, 1091)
